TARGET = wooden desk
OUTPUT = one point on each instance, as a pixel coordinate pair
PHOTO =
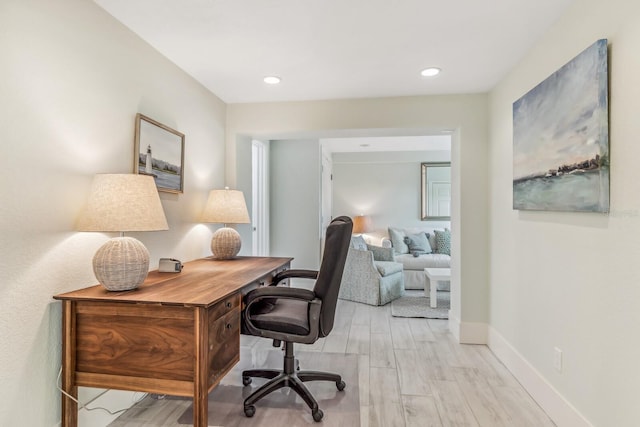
(177, 334)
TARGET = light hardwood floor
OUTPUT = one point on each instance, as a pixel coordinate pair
(411, 373)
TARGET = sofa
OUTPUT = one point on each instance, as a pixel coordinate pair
(416, 257)
(371, 275)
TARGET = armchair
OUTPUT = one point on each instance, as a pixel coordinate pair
(371, 276)
(295, 315)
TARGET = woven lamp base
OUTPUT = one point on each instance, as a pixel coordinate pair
(225, 243)
(121, 264)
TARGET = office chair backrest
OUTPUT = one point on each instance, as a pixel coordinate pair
(329, 278)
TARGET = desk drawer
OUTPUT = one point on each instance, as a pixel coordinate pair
(224, 338)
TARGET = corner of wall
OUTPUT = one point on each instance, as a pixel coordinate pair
(552, 402)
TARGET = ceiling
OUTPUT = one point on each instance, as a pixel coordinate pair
(337, 49)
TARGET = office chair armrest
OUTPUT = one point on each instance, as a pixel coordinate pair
(268, 292)
(286, 274)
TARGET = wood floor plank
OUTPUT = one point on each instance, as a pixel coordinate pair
(359, 340)
(362, 315)
(400, 334)
(420, 330)
(412, 373)
(363, 380)
(452, 405)
(420, 411)
(485, 406)
(380, 317)
(521, 407)
(336, 342)
(385, 408)
(381, 353)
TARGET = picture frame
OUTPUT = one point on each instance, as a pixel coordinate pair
(435, 191)
(159, 152)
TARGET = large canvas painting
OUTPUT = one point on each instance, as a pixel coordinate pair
(561, 138)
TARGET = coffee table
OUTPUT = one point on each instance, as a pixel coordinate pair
(435, 275)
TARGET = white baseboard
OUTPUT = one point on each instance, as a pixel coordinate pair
(552, 402)
(468, 332)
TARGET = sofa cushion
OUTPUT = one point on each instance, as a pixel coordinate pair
(386, 268)
(358, 242)
(424, 261)
(418, 244)
(443, 241)
(397, 240)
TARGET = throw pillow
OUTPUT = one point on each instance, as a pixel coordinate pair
(397, 241)
(357, 242)
(418, 244)
(443, 241)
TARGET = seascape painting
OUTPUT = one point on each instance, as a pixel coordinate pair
(561, 138)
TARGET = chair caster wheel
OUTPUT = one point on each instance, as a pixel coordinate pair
(340, 385)
(246, 381)
(317, 415)
(249, 411)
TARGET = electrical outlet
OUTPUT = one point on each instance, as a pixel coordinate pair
(557, 359)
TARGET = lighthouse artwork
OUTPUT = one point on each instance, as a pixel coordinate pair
(148, 162)
(165, 160)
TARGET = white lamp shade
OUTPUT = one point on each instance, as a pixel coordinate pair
(226, 207)
(123, 202)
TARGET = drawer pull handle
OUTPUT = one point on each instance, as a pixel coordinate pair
(228, 326)
(228, 304)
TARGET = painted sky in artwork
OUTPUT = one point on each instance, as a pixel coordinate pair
(165, 146)
(563, 120)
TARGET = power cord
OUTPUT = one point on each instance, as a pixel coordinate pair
(84, 405)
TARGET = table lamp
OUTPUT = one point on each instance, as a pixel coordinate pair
(361, 224)
(122, 203)
(225, 207)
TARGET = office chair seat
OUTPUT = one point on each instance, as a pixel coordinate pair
(286, 315)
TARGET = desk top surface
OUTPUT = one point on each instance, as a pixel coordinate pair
(201, 283)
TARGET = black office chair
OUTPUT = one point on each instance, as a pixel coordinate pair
(297, 315)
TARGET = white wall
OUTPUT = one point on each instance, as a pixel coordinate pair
(71, 81)
(420, 115)
(383, 185)
(572, 280)
(294, 212)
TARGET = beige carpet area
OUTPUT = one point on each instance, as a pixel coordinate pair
(284, 407)
(415, 304)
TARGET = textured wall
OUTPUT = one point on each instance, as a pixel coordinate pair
(71, 81)
(570, 280)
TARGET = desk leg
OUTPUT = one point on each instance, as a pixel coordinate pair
(69, 406)
(433, 293)
(201, 371)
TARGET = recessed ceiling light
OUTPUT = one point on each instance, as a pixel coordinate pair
(272, 80)
(430, 72)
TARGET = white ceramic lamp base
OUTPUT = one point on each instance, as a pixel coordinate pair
(225, 243)
(121, 264)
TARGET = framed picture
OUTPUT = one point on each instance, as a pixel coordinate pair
(159, 152)
(561, 138)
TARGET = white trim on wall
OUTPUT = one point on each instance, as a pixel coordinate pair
(552, 402)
